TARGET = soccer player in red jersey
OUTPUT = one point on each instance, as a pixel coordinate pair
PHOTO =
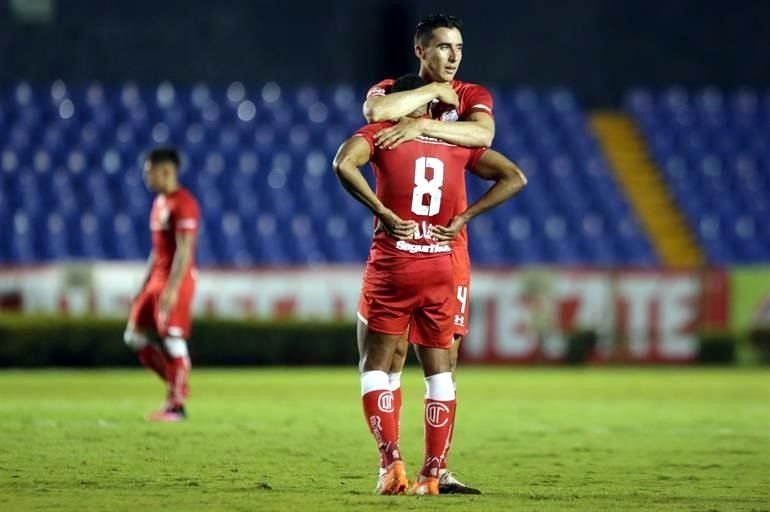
(462, 114)
(409, 278)
(163, 305)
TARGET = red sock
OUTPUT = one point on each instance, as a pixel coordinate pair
(397, 411)
(438, 427)
(449, 439)
(177, 374)
(151, 357)
(396, 418)
(378, 410)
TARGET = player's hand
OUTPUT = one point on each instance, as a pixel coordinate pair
(446, 94)
(408, 128)
(166, 303)
(395, 226)
(448, 233)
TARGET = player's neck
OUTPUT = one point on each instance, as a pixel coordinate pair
(170, 189)
(425, 75)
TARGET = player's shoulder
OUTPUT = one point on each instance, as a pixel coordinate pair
(372, 128)
(186, 196)
(460, 86)
(379, 125)
(381, 88)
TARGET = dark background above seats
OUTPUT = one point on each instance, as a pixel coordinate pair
(599, 48)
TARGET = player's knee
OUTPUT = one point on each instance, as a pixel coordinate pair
(135, 340)
(176, 347)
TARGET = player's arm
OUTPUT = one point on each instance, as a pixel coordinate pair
(148, 270)
(354, 153)
(183, 255)
(509, 180)
(477, 132)
(185, 241)
(394, 106)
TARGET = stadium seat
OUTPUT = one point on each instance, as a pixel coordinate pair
(712, 148)
(258, 157)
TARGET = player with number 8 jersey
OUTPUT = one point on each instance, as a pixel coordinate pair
(424, 181)
(419, 206)
(462, 114)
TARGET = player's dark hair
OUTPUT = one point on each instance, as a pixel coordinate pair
(164, 154)
(427, 25)
(407, 82)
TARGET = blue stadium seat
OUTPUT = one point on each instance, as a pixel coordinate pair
(259, 160)
(712, 148)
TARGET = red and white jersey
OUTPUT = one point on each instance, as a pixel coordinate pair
(171, 214)
(473, 98)
(421, 180)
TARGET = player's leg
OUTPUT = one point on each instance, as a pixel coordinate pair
(377, 399)
(439, 407)
(448, 481)
(431, 331)
(394, 379)
(454, 352)
(394, 375)
(141, 322)
(175, 333)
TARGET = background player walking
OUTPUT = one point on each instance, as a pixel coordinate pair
(163, 306)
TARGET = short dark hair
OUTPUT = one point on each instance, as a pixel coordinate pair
(427, 25)
(164, 154)
(407, 82)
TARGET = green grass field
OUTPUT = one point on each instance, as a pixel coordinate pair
(287, 439)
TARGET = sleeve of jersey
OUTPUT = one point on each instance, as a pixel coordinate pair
(367, 133)
(475, 156)
(479, 99)
(380, 88)
(187, 216)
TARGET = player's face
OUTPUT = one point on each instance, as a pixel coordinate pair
(442, 55)
(156, 176)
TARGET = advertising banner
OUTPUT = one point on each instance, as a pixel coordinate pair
(516, 315)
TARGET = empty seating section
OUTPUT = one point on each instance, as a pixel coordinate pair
(714, 150)
(259, 160)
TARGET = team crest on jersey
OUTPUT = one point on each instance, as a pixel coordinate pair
(450, 116)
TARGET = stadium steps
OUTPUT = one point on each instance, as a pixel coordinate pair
(643, 185)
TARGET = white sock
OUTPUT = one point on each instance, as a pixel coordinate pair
(374, 381)
(176, 347)
(395, 380)
(440, 387)
(135, 340)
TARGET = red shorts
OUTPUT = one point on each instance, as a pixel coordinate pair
(461, 265)
(418, 296)
(145, 310)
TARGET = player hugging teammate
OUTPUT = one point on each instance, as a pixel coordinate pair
(411, 277)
